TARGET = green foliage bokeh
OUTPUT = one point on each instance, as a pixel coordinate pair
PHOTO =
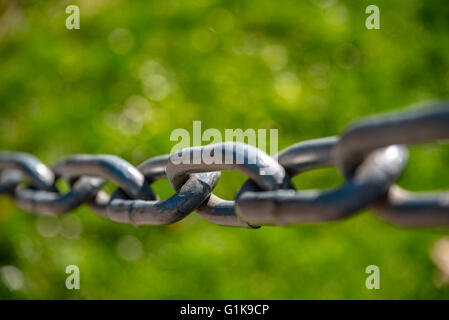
(136, 70)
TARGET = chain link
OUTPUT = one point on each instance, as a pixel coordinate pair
(371, 155)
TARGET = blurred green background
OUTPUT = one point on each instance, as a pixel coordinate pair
(136, 70)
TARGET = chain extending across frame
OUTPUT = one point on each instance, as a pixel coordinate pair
(371, 155)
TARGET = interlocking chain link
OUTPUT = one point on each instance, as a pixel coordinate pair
(371, 155)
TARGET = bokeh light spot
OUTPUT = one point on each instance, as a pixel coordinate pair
(130, 248)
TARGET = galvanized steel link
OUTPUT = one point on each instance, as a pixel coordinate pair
(411, 127)
(29, 166)
(186, 199)
(253, 162)
(371, 180)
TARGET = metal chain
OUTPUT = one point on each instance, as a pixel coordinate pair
(370, 155)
